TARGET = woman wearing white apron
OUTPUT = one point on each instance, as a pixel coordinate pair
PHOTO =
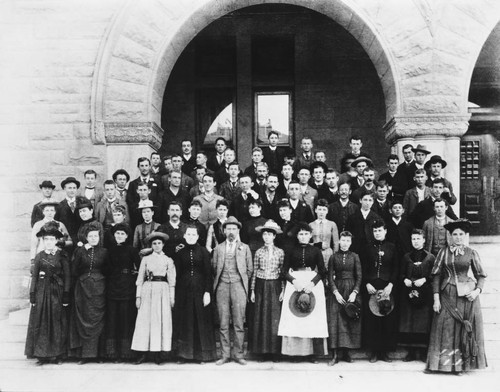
(303, 322)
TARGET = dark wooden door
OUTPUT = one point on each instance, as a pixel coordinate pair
(479, 183)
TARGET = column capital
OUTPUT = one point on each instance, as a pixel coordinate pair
(426, 126)
(145, 132)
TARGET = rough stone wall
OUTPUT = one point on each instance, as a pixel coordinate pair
(49, 50)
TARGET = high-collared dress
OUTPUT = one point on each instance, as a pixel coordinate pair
(415, 321)
(121, 312)
(89, 303)
(193, 326)
(325, 233)
(267, 283)
(304, 262)
(156, 288)
(450, 349)
(344, 275)
(47, 327)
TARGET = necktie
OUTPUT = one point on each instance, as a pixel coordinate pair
(72, 205)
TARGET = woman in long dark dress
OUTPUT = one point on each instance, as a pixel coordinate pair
(121, 312)
(416, 298)
(457, 338)
(89, 302)
(267, 290)
(193, 330)
(49, 295)
(344, 276)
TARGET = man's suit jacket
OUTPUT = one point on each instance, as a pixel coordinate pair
(188, 165)
(356, 195)
(270, 209)
(301, 161)
(229, 192)
(166, 197)
(382, 211)
(213, 163)
(449, 197)
(100, 210)
(428, 229)
(96, 197)
(362, 232)
(302, 213)
(424, 210)
(310, 196)
(239, 207)
(340, 215)
(133, 196)
(244, 263)
(274, 159)
(71, 220)
(400, 235)
(410, 200)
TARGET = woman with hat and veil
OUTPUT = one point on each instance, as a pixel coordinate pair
(303, 322)
(49, 294)
(344, 305)
(155, 298)
(457, 338)
(267, 289)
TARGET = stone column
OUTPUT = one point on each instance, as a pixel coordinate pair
(440, 133)
(127, 141)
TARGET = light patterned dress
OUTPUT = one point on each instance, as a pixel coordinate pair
(326, 232)
(153, 327)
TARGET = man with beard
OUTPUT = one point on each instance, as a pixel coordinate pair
(340, 211)
(360, 164)
(262, 171)
(270, 198)
(232, 267)
(368, 185)
(174, 228)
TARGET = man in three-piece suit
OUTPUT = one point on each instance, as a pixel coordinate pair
(232, 267)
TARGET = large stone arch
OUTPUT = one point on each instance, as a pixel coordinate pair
(146, 38)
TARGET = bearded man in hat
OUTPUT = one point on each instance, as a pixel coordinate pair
(232, 266)
(434, 168)
(379, 277)
(47, 189)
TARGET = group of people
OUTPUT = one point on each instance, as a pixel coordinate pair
(314, 261)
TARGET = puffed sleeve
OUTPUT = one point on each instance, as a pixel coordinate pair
(437, 269)
(477, 270)
(357, 272)
(140, 277)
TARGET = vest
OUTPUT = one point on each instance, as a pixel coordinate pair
(439, 238)
(230, 270)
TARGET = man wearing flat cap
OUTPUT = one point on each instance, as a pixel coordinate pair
(232, 266)
(47, 189)
(434, 168)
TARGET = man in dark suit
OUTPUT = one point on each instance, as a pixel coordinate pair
(332, 181)
(256, 159)
(382, 205)
(317, 181)
(173, 192)
(270, 198)
(67, 210)
(340, 211)
(262, 172)
(301, 211)
(434, 168)
(239, 206)
(145, 176)
(399, 229)
(404, 173)
(273, 154)
(355, 143)
(188, 159)
(389, 176)
(306, 156)
(216, 160)
(232, 268)
(222, 175)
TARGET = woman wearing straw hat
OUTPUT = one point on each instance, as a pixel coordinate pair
(267, 289)
(49, 293)
(155, 298)
(457, 338)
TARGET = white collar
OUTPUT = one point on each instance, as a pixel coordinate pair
(71, 200)
(344, 203)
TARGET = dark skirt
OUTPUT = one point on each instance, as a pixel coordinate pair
(120, 324)
(379, 333)
(446, 352)
(87, 316)
(47, 327)
(266, 317)
(193, 327)
(415, 321)
(343, 331)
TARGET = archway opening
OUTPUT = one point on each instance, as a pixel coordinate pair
(331, 83)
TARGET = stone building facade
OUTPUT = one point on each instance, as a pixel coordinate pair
(84, 86)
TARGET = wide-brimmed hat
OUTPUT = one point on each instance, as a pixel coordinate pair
(231, 221)
(146, 204)
(461, 223)
(47, 184)
(360, 159)
(421, 148)
(301, 303)
(84, 203)
(352, 310)
(50, 228)
(157, 235)
(120, 226)
(46, 203)
(69, 180)
(381, 305)
(436, 159)
(270, 225)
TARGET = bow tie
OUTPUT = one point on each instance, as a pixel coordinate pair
(457, 249)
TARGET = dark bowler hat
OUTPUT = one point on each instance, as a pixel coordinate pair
(301, 303)
(69, 180)
(421, 148)
(352, 310)
(50, 228)
(461, 223)
(47, 184)
(436, 159)
(381, 305)
(360, 159)
(157, 235)
(231, 221)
